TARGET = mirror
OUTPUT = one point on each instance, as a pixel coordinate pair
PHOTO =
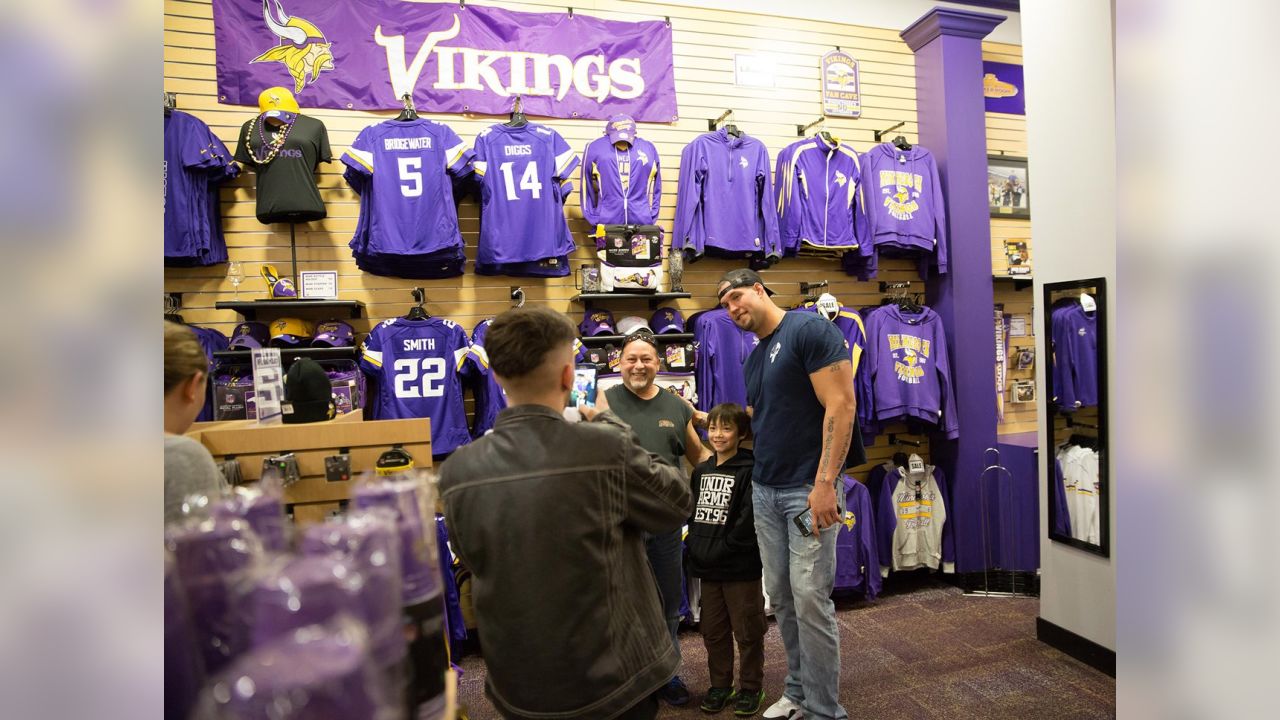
(1074, 347)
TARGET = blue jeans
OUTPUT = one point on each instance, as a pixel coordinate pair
(664, 551)
(799, 573)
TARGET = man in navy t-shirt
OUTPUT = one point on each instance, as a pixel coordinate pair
(800, 395)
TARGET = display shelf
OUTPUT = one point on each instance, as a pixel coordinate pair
(288, 354)
(249, 308)
(653, 298)
(606, 339)
(1020, 282)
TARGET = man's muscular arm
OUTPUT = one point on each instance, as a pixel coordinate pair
(834, 387)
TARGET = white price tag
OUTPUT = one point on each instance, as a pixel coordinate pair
(319, 284)
(915, 464)
(268, 385)
(1087, 302)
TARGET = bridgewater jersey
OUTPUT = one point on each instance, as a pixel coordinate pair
(489, 395)
(908, 373)
(621, 187)
(725, 203)
(417, 367)
(524, 176)
(404, 171)
(195, 163)
(1074, 360)
(905, 212)
(723, 347)
(857, 556)
(911, 522)
(820, 199)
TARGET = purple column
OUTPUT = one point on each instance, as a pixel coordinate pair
(948, 47)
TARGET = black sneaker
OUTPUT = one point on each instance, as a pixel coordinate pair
(717, 699)
(748, 703)
(674, 692)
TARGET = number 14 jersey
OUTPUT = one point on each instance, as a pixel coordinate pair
(525, 175)
(418, 367)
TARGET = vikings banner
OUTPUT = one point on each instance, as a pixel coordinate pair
(366, 54)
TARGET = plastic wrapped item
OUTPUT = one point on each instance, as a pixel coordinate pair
(298, 591)
(369, 542)
(183, 666)
(212, 557)
(263, 509)
(409, 495)
(319, 672)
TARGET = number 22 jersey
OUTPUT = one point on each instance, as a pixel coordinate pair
(418, 367)
(524, 175)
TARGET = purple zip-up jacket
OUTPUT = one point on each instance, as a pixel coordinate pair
(905, 209)
(820, 198)
(722, 349)
(1074, 360)
(908, 372)
(725, 203)
(604, 200)
(857, 555)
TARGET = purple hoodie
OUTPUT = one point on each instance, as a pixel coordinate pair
(725, 203)
(908, 372)
(905, 210)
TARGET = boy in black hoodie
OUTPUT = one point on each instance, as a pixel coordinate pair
(724, 554)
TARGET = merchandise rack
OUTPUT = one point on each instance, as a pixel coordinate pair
(249, 308)
(653, 298)
(290, 354)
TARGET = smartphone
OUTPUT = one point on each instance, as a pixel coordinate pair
(804, 521)
(584, 386)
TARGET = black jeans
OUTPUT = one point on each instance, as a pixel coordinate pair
(665, 556)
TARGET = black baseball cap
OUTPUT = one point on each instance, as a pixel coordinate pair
(742, 277)
(308, 393)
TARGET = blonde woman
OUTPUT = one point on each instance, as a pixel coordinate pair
(188, 467)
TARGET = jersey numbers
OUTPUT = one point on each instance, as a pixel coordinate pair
(528, 181)
(410, 176)
(407, 378)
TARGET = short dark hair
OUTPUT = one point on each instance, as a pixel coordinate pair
(731, 414)
(519, 339)
(643, 336)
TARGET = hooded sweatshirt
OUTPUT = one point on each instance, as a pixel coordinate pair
(905, 210)
(911, 520)
(621, 187)
(725, 205)
(722, 533)
(820, 199)
(908, 373)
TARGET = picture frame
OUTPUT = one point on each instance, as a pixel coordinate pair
(1022, 392)
(1008, 186)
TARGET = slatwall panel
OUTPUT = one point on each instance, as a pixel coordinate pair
(1007, 134)
(705, 42)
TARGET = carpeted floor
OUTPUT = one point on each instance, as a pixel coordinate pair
(922, 651)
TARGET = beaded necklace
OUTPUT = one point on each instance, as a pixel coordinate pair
(272, 147)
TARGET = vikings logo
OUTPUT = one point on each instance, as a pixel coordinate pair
(900, 204)
(850, 520)
(303, 49)
(643, 157)
(743, 162)
(908, 366)
(841, 179)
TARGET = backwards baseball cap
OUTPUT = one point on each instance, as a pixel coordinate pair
(290, 332)
(596, 322)
(632, 323)
(667, 320)
(250, 336)
(308, 393)
(278, 102)
(742, 277)
(621, 128)
(334, 333)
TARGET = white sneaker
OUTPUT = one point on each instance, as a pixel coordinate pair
(784, 708)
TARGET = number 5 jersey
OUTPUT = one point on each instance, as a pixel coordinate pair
(417, 367)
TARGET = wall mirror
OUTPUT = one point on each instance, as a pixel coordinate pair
(1074, 347)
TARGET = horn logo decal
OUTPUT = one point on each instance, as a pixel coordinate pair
(303, 49)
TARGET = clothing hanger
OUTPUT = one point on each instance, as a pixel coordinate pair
(417, 312)
(901, 143)
(517, 114)
(173, 301)
(409, 112)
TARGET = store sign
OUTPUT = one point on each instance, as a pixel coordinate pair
(366, 54)
(1002, 88)
(841, 96)
(754, 71)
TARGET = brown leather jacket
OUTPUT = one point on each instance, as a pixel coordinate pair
(549, 516)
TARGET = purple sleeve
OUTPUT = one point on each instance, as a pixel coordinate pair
(468, 365)
(1064, 389)
(458, 156)
(865, 395)
(939, 218)
(358, 160)
(689, 201)
(949, 423)
(590, 192)
(867, 236)
(1061, 516)
(703, 369)
(566, 159)
(768, 207)
(869, 551)
(655, 200)
(785, 202)
(371, 353)
(886, 520)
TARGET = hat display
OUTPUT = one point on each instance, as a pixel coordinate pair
(334, 333)
(287, 332)
(742, 277)
(632, 323)
(308, 393)
(620, 128)
(278, 102)
(250, 336)
(667, 320)
(596, 322)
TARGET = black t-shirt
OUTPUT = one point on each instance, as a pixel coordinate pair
(659, 422)
(287, 184)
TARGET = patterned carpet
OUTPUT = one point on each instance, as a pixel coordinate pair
(924, 650)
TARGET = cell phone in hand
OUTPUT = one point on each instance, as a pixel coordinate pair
(584, 386)
(804, 521)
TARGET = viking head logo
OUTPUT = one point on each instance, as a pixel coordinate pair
(742, 160)
(303, 48)
(841, 178)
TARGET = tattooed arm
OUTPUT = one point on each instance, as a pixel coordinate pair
(834, 387)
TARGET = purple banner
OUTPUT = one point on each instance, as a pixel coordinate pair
(1002, 88)
(366, 54)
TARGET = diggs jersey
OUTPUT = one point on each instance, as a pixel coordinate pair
(417, 367)
(490, 397)
(524, 173)
(407, 191)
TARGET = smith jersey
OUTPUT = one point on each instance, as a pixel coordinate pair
(417, 367)
(524, 175)
(404, 172)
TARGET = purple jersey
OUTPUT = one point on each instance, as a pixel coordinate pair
(849, 322)
(195, 163)
(417, 367)
(820, 197)
(402, 170)
(725, 203)
(905, 211)
(523, 174)
(857, 555)
(1074, 361)
(722, 349)
(621, 187)
(489, 395)
(908, 372)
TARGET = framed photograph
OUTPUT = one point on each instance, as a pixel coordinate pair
(1022, 391)
(1008, 187)
(1025, 359)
